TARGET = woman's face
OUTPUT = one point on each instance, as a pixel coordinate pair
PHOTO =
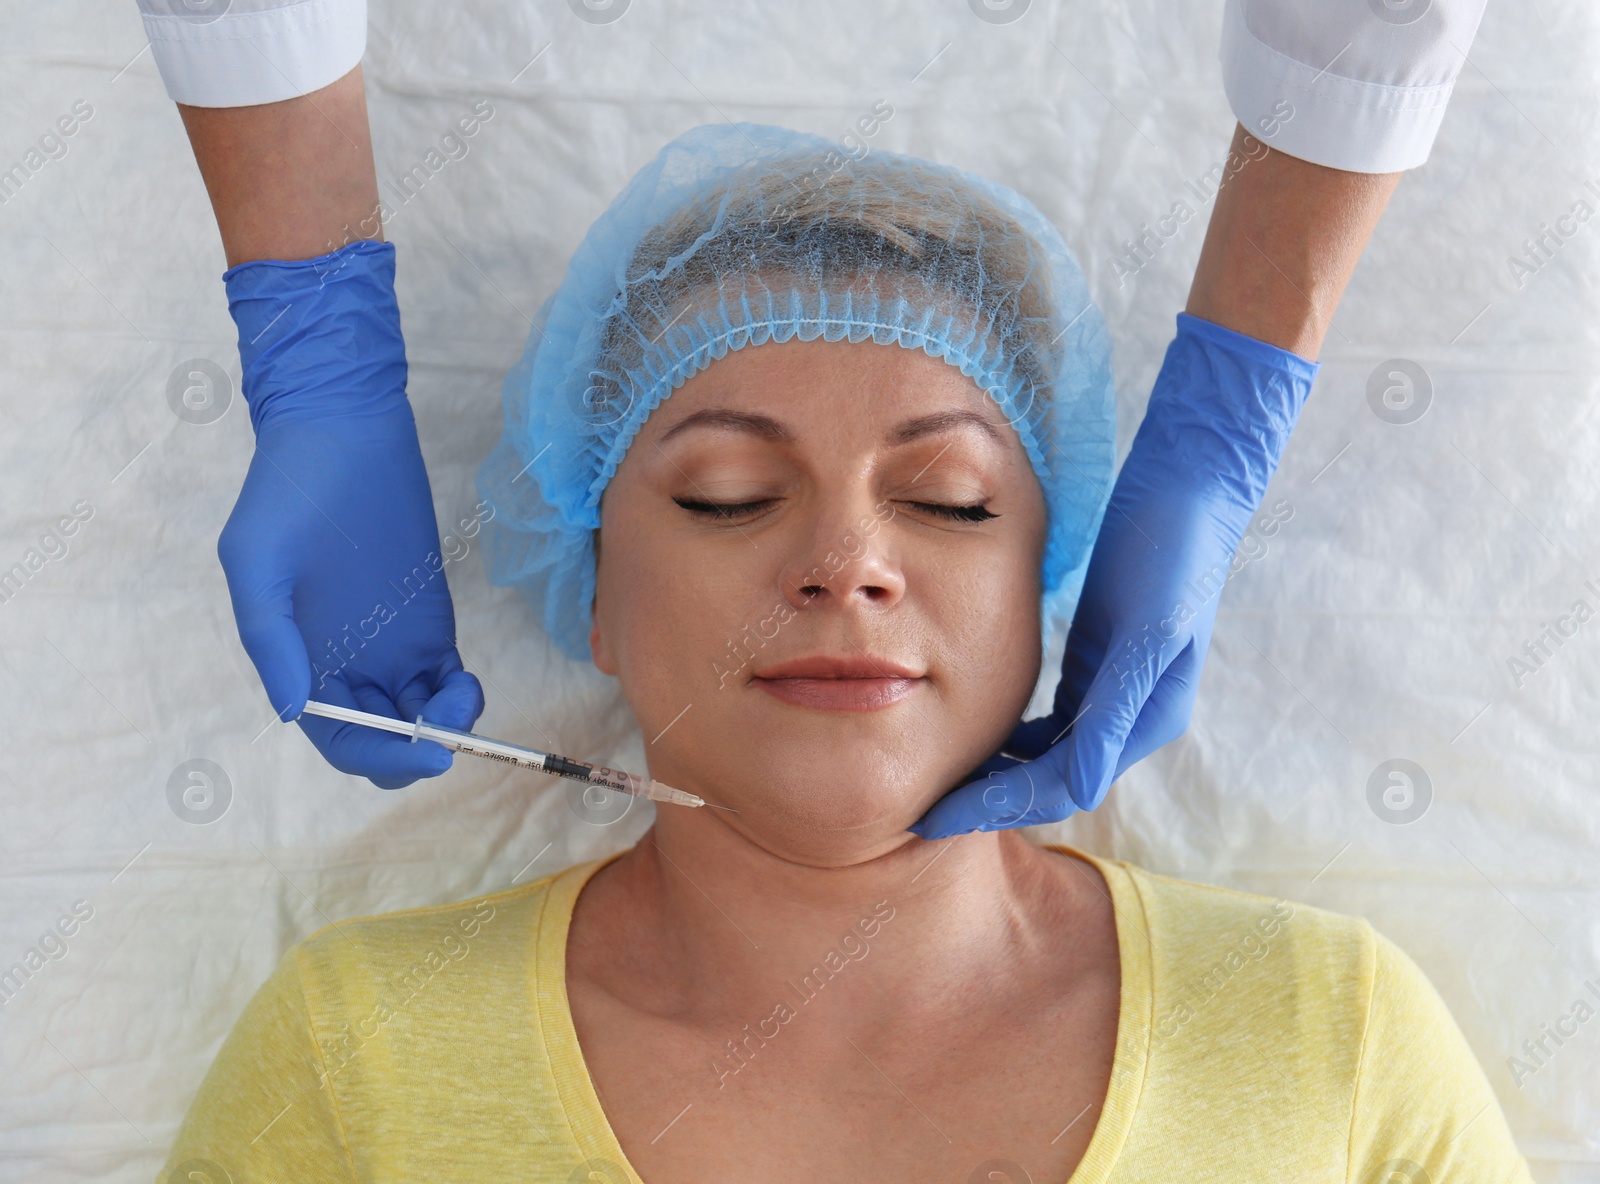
(818, 585)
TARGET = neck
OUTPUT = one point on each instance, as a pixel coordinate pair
(726, 928)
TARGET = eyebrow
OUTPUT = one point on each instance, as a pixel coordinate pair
(768, 428)
(740, 421)
(942, 421)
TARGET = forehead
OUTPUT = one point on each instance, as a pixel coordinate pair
(830, 386)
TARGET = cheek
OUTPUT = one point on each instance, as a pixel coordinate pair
(672, 612)
(983, 608)
(988, 619)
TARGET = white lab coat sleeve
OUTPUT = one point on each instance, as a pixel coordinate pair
(1359, 85)
(237, 53)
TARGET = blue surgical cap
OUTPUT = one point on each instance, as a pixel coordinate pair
(738, 234)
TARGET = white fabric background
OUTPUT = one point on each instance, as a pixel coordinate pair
(1376, 625)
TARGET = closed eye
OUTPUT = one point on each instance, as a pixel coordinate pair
(973, 513)
(976, 512)
(723, 509)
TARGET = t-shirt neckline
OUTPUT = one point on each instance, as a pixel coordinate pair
(592, 1132)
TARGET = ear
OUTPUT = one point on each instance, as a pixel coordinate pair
(597, 648)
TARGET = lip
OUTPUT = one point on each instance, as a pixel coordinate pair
(825, 683)
(821, 666)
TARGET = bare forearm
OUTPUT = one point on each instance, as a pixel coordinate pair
(1284, 238)
(290, 180)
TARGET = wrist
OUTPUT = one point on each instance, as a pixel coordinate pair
(319, 336)
(1222, 410)
(1282, 241)
(1253, 351)
(288, 176)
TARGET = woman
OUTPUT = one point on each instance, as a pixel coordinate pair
(817, 570)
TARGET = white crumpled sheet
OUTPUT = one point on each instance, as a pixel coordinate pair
(1410, 563)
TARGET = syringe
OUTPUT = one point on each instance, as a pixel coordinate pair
(511, 754)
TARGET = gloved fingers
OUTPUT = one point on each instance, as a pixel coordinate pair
(995, 764)
(1166, 713)
(443, 694)
(1033, 738)
(1072, 774)
(1084, 655)
(457, 703)
(411, 700)
(272, 640)
(1089, 754)
(1022, 795)
(388, 760)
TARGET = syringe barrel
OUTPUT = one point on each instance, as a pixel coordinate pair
(530, 760)
(474, 745)
(616, 779)
(549, 762)
(595, 775)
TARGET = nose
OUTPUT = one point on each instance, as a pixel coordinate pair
(844, 557)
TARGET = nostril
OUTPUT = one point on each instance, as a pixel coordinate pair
(811, 591)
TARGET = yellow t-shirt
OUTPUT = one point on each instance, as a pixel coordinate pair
(1257, 1040)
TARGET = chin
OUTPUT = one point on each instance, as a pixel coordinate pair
(826, 787)
(838, 797)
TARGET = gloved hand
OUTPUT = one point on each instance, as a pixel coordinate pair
(1219, 417)
(332, 551)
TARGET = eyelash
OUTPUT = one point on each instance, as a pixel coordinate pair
(973, 513)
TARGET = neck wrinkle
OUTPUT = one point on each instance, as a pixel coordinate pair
(727, 924)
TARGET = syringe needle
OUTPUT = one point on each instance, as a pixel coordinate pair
(512, 754)
(656, 791)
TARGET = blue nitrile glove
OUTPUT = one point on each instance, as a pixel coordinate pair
(332, 551)
(1217, 422)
